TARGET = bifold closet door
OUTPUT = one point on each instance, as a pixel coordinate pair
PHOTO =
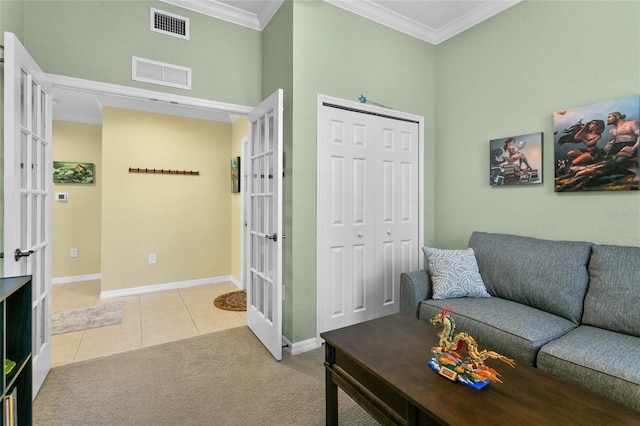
(368, 206)
(396, 200)
(347, 213)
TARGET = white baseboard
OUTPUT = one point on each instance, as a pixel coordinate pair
(76, 278)
(131, 291)
(236, 282)
(301, 347)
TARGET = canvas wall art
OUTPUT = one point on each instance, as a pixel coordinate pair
(235, 174)
(71, 172)
(596, 146)
(516, 160)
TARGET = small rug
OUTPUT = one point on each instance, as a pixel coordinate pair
(233, 301)
(85, 318)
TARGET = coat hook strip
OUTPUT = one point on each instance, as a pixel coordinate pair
(165, 171)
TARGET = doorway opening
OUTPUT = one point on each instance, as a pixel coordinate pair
(89, 100)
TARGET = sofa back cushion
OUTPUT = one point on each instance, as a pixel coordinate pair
(613, 298)
(547, 275)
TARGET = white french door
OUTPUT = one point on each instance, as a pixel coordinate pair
(27, 190)
(369, 210)
(264, 223)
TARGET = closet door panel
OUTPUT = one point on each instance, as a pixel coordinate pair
(345, 205)
(397, 210)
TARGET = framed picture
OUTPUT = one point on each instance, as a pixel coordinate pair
(596, 146)
(516, 160)
(235, 174)
(71, 172)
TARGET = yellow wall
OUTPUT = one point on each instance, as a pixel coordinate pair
(239, 131)
(183, 219)
(77, 222)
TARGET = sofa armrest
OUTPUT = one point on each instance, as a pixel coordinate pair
(414, 288)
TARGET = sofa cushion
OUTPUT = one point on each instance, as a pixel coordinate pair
(613, 298)
(511, 329)
(600, 360)
(548, 275)
(454, 273)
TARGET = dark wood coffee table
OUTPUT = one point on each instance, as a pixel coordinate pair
(382, 365)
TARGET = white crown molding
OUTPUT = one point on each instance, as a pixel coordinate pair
(473, 18)
(374, 12)
(220, 10)
(367, 9)
(269, 9)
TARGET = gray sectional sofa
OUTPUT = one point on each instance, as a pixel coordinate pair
(566, 307)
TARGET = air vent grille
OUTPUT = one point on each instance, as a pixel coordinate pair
(160, 73)
(169, 24)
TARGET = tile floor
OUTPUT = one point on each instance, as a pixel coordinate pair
(149, 319)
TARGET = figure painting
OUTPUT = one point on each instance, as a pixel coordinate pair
(516, 160)
(596, 146)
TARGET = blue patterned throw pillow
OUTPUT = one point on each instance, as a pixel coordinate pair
(454, 273)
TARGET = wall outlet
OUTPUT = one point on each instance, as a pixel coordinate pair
(74, 252)
(152, 258)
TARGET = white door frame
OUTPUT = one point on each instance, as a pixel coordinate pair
(244, 235)
(97, 87)
(356, 106)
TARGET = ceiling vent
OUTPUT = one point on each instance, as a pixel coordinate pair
(169, 24)
(160, 73)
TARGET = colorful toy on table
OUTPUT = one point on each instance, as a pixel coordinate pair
(469, 370)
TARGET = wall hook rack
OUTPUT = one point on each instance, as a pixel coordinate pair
(164, 171)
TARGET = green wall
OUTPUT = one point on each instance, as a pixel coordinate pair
(12, 17)
(507, 77)
(95, 40)
(277, 73)
(338, 54)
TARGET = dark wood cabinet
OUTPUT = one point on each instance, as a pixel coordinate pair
(15, 325)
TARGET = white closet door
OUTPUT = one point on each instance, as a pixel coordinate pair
(346, 212)
(368, 213)
(397, 209)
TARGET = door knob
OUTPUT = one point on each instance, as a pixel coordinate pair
(389, 232)
(359, 234)
(273, 237)
(19, 253)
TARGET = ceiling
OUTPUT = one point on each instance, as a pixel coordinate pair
(432, 21)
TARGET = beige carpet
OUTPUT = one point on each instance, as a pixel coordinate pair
(223, 378)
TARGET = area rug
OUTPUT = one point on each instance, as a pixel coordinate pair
(233, 301)
(86, 318)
